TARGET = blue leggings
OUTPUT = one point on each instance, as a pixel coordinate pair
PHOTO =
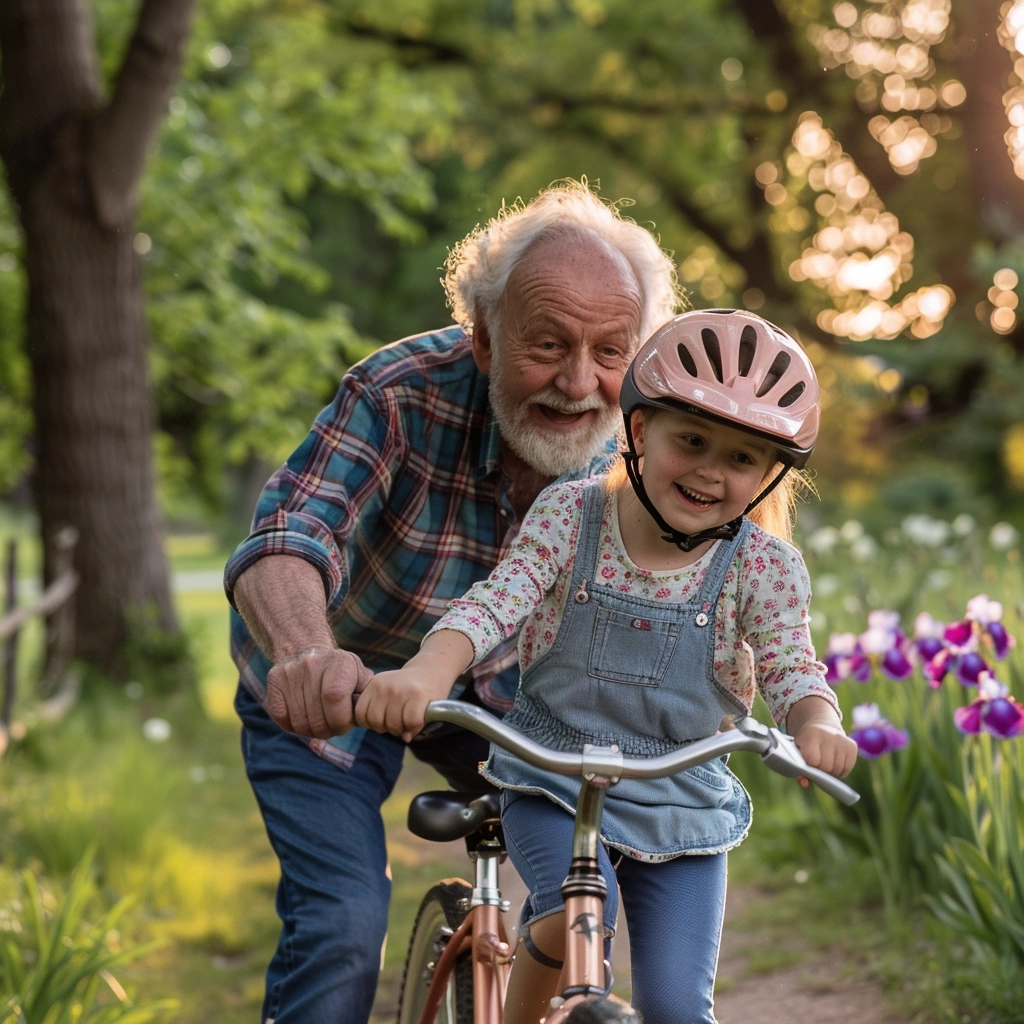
(673, 909)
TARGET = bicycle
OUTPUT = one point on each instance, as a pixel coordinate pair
(457, 967)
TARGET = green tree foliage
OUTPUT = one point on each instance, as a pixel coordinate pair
(319, 157)
(273, 106)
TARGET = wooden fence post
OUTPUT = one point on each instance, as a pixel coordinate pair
(10, 654)
(60, 623)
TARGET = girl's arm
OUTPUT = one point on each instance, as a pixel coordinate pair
(491, 611)
(775, 596)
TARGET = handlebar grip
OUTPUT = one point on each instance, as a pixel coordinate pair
(835, 788)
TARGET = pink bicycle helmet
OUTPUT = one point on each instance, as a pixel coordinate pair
(733, 367)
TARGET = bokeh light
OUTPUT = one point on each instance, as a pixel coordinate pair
(1003, 318)
(1011, 35)
(887, 48)
(859, 256)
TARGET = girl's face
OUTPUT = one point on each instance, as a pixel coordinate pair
(698, 473)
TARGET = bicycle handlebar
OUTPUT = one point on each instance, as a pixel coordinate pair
(778, 751)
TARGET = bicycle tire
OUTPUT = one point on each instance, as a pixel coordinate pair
(444, 907)
(603, 1011)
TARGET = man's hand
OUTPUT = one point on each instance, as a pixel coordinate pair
(819, 734)
(311, 693)
(396, 702)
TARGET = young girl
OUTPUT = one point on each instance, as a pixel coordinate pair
(647, 613)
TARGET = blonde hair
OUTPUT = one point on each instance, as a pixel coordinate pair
(777, 513)
(478, 268)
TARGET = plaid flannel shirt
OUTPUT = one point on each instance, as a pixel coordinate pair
(398, 497)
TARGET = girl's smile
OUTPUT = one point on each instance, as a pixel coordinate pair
(696, 497)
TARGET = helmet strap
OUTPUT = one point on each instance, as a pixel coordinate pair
(687, 541)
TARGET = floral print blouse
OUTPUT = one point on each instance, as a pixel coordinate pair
(762, 632)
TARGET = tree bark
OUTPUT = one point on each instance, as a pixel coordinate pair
(985, 69)
(73, 163)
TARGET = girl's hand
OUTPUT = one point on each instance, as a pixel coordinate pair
(819, 735)
(396, 702)
(827, 747)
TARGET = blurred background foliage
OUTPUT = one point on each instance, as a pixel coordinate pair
(318, 158)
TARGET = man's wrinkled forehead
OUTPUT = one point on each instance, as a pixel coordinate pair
(570, 245)
(562, 275)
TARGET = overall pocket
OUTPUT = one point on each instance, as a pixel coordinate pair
(632, 647)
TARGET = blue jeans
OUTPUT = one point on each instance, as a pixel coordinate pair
(674, 909)
(325, 826)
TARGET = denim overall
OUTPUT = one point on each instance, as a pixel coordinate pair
(639, 673)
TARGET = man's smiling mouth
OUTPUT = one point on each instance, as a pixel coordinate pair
(559, 418)
(696, 497)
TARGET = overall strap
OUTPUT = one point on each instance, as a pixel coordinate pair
(714, 578)
(585, 561)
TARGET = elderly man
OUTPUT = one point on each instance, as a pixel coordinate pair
(408, 489)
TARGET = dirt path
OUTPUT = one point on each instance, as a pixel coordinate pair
(803, 987)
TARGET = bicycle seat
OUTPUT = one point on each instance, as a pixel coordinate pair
(442, 816)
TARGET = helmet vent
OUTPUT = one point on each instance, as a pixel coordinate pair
(774, 374)
(748, 346)
(687, 360)
(792, 394)
(714, 352)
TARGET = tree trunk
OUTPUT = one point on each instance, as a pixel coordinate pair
(986, 67)
(73, 163)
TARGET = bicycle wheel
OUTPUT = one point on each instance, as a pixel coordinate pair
(603, 1011)
(441, 912)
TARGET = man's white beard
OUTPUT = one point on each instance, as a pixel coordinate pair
(550, 452)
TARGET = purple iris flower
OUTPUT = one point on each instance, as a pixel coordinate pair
(1001, 640)
(969, 667)
(928, 647)
(968, 719)
(995, 711)
(845, 659)
(884, 642)
(873, 734)
(860, 668)
(958, 633)
(1003, 717)
(896, 665)
(936, 669)
(987, 615)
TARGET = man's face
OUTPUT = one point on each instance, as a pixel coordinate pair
(569, 327)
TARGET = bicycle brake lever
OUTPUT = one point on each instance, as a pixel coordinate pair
(784, 757)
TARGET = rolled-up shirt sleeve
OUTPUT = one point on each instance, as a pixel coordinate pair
(311, 505)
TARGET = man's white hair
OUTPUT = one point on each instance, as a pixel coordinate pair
(478, 267)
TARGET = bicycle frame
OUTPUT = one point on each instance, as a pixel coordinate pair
(584, 973)
(482, 932)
